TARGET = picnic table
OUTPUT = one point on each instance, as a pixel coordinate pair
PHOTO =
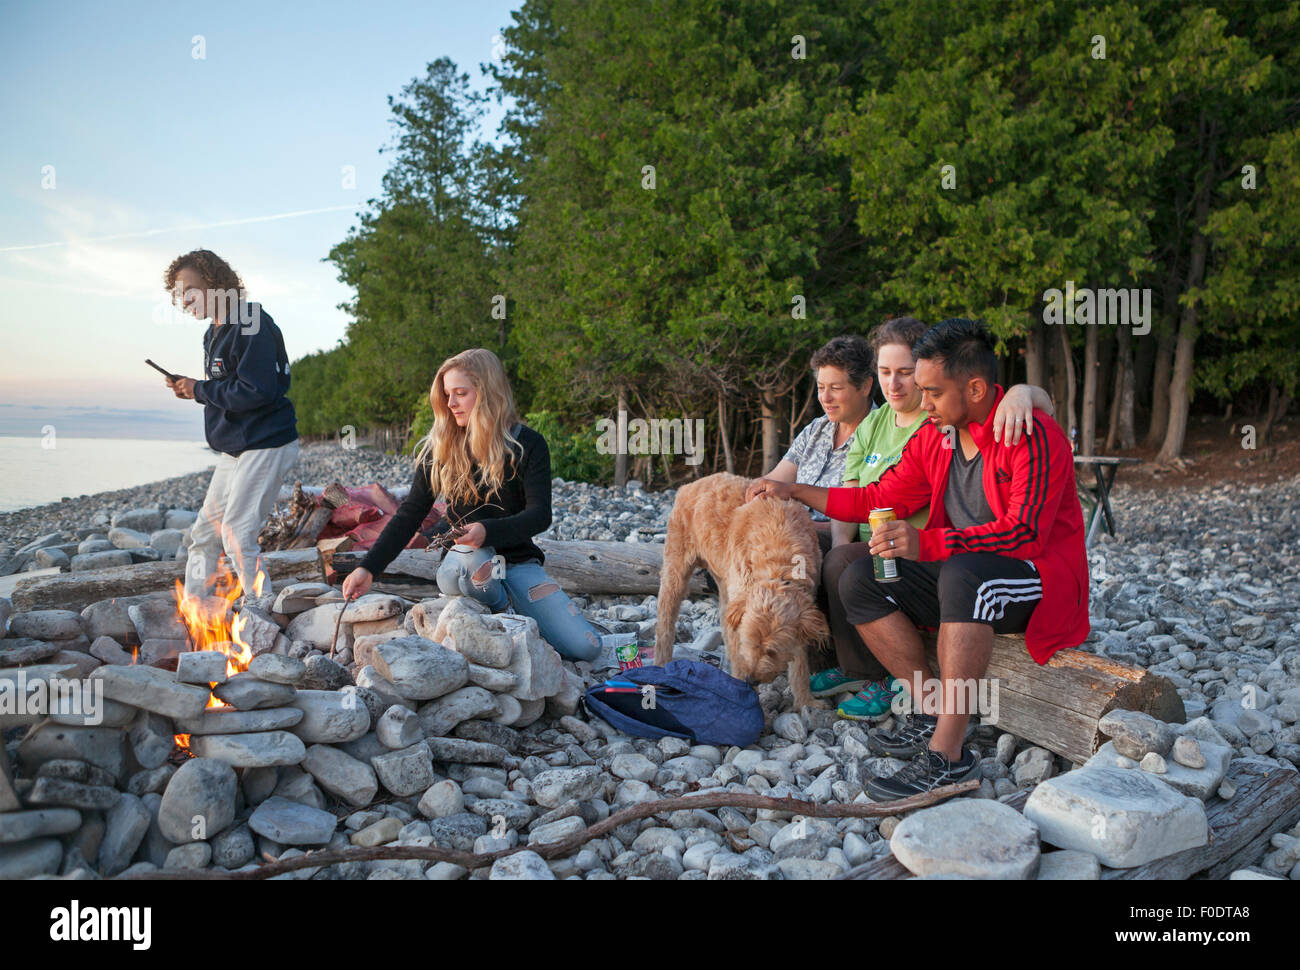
(1105, 468)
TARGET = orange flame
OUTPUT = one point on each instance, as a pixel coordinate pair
(205, 619)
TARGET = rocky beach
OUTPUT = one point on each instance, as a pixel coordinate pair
(473, 744)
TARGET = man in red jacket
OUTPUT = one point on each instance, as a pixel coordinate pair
(1002, 550)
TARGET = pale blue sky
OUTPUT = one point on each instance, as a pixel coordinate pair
(155, 152)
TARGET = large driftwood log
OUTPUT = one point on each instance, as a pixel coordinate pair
(1057, 705)
(591, 568)
(73, 591)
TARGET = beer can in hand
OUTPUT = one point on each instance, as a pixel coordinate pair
(886, 570)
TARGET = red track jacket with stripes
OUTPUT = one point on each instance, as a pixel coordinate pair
(1031, 491)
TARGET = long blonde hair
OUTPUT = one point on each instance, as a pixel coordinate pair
(468, 464)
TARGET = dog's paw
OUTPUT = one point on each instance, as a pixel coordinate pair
(809, 704)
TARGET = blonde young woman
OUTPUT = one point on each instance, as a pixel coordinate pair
(495, 473)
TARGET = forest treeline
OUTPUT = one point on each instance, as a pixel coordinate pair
(690, 196)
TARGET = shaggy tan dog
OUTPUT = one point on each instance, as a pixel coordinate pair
(765, 560)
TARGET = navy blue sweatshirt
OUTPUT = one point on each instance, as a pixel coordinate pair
(510, 517)
(244, 397)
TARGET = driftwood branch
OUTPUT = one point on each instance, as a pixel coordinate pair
(468, 860)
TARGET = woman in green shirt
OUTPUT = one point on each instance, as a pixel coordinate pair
(877, 445)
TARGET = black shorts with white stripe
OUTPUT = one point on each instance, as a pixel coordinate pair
(973, 587)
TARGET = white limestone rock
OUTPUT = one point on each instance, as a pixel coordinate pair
(420, 669)
(968, 838)
(534, 662)
(1198, 782)
(317, 626)
(1124, 818)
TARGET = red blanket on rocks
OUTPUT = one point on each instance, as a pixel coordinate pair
(368, 512)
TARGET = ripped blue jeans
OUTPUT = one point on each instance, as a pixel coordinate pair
(529, 590)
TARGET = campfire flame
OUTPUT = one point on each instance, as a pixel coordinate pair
(205, 619)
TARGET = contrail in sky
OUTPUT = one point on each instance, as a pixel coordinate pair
(157, 232)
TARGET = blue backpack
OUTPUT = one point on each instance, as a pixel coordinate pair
(691, 700)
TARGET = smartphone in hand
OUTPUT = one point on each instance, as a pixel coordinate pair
(167, 374)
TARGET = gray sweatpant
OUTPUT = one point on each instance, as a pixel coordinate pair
(240, 497)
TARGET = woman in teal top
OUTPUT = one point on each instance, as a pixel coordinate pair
(877, 445)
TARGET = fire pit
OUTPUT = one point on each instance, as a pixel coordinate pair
(225, 735)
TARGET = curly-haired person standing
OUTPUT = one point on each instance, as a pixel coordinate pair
(247, 417)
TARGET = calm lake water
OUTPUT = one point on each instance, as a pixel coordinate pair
(32, 474)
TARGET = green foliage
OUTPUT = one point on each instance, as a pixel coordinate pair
(322, 392)
(1005, 160)
(1254, 297)
(421, 422)
(573, 453)
(819, 177)
(1251, 296)
(676, 197)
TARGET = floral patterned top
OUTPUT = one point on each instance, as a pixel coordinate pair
(820, 462)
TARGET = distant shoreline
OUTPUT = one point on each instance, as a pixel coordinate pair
(100, 421)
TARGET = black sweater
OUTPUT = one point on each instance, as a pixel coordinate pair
(524, 500)
(244, 397)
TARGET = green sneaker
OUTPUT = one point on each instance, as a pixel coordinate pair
(871, 703)
(833, 681)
